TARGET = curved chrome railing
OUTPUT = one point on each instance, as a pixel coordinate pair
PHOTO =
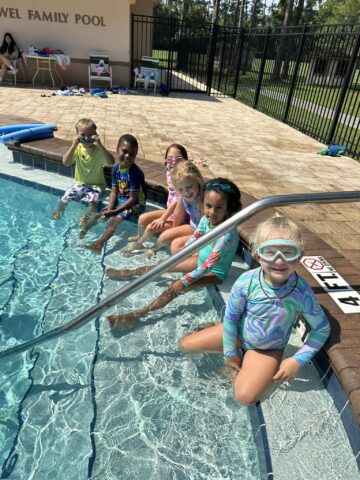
(101, 307)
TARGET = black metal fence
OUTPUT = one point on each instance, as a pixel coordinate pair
(307, 76)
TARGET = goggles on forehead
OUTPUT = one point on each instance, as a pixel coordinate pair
(271, 250)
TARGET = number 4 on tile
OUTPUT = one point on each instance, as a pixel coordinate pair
(355, 301)
(349, 301)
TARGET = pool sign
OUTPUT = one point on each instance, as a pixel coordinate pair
(339, 290)
(313, 264)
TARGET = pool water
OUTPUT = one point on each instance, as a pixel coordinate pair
(92, 405)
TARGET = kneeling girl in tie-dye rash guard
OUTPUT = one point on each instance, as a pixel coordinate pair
(221, 199)
(263, 306)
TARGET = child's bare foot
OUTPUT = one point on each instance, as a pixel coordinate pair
(114, 273)
(82, 233)
(95, 247)
(149, 253)
(134, 238)
(84, 219)
(125, 320)
(56, 215)
(130, 247)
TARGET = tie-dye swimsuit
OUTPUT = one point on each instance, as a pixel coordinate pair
(216, 257)
(262, 316)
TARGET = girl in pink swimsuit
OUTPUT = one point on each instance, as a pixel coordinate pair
(158, 221)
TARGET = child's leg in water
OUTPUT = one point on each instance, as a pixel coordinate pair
(90, 213)
(256, 374)
(167, 237)
(257, 368)
(109, 232)
(143, 222)
(147, 236)
(59, 210)
(184, 267)
(205, 340)
(170, 293)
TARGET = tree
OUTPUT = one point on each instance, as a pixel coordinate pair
(344, 11)
(192, 10)
(277, 73)
(216, 11)
(257, 14)
(239, 13)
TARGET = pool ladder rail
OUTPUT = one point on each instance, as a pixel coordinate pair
(229, 224)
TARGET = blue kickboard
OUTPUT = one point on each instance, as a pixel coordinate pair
(28, 132)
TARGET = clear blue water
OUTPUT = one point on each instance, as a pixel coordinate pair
(91, 405)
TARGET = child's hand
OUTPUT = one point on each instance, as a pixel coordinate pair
(288, 370)
(234, 362)
(157, 224)
(96, 139)
(108, 213)
(176, 287)
(76, 139)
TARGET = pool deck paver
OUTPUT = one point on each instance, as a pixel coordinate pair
(263, 156)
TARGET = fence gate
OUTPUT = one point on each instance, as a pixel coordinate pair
(182, 47)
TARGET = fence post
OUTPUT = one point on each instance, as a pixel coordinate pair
(261, 71)
(170, 52)
(132, 53)
(222, 57)
(343, 91)
(212, 47)
(239, 53)
(294, 77)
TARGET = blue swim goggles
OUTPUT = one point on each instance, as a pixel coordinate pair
(87, 140)
(271, 250)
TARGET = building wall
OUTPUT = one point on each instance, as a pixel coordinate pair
(143, 7)
(76, 27)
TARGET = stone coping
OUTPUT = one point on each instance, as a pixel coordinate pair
(342, 348)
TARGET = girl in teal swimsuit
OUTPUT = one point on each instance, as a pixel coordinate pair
(221, 199)
(263, 306)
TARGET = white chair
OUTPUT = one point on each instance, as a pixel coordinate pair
(99, 68)
(19, 68)
(148, 74)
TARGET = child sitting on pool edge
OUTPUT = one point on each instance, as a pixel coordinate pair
(188, 182)
(221, 199)
(157, 221)
(128, 194)
(263, 306)
(89, 156)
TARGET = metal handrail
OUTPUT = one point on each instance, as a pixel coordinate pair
(230, 223)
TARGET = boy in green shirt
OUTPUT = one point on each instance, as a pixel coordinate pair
(89, 156)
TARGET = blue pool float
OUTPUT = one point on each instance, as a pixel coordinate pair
(26, 132)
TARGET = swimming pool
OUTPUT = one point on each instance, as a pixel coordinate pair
(91, 405)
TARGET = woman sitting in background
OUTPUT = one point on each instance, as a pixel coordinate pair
(9, 52)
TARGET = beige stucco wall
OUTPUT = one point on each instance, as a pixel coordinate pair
(144, 7)
(76, 27)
